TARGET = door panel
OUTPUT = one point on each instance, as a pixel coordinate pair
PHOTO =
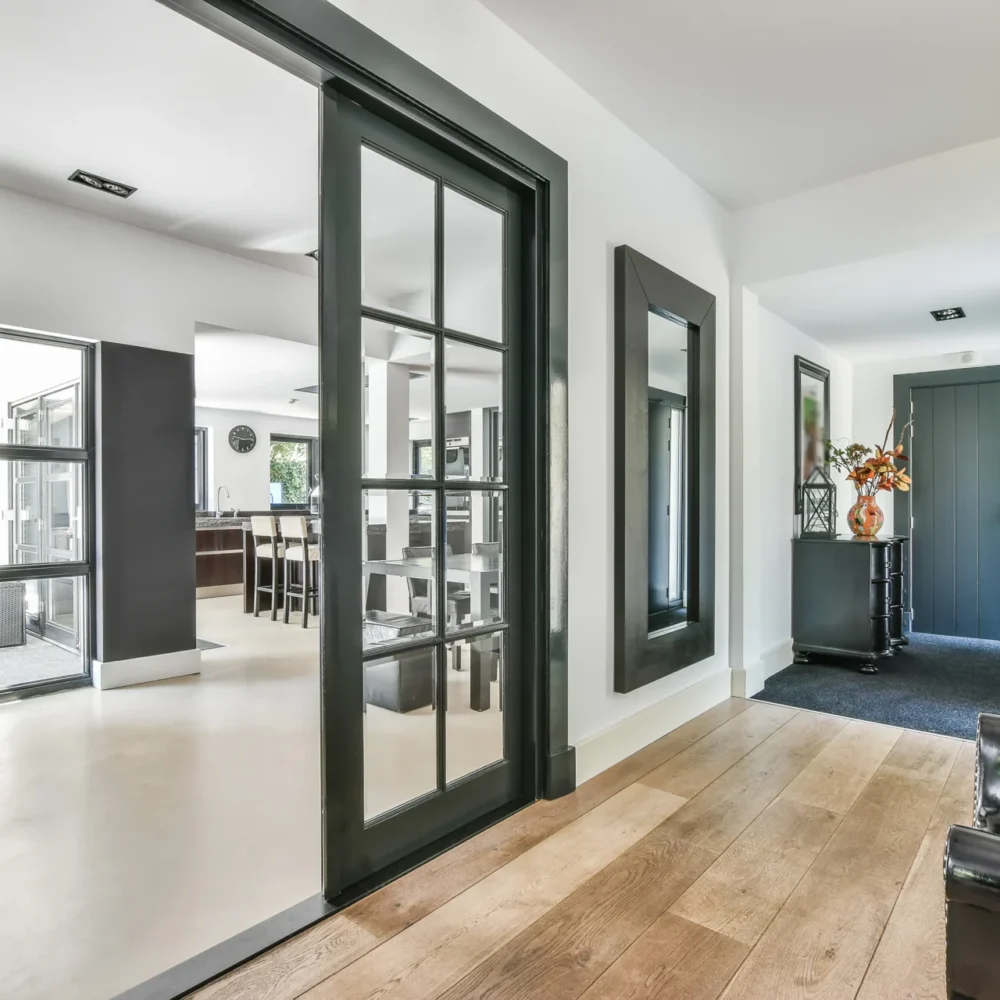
(422, 670)
(955, 505)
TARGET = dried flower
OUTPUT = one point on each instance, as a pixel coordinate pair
(872, 469)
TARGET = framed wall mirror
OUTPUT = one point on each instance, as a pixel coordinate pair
(664, 471)
(812, 422)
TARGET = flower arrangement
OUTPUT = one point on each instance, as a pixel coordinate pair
(873, 470)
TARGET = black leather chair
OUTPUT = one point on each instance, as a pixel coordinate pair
(972, 881)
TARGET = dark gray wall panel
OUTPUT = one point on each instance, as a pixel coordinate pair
(943, 522)
(922, 548)
(989, 510)
(145, 497)
(966, 499)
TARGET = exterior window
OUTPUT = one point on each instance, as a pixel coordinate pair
(200, 468)
(293, 469)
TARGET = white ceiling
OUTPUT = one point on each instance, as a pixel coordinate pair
(759, 100)
(880, 308)
(221, 144)
(245, 371)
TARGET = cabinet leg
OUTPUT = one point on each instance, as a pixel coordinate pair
(868, 667)
(801, 658)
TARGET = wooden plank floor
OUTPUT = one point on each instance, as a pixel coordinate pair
(756, 851)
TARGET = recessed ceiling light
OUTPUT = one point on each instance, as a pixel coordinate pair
(955, 312)
(314, 254)
(98, 183)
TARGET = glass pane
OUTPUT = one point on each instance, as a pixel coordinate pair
(40, 393)
(397, 237)
(399, 567)
(473, 266)
(41, 630)
(667, 398)
(400, 729)
(291, 471)
(43, 513)
(474, 717)
(398, 402)
(474, 559)
(473, 395)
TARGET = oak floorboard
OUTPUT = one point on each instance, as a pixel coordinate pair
(561, 954)
(741, 892)
(423, 960)
(701, 725)
(716, 816)
(841, 770)
(914, 938)
(691, 770)
(821, 942)
(673, 960)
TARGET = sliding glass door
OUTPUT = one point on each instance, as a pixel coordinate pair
(45, 544)
(425, 645)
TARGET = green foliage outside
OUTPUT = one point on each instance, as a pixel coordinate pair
(290, 467)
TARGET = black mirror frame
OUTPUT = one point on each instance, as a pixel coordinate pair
(641, 286)
(803, 366)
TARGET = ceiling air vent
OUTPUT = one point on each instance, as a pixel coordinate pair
(956, 312)
(90, 180)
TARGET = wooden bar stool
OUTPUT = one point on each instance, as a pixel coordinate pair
(295, 532)
(266, 547)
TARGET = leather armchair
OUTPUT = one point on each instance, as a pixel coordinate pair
(972, 881)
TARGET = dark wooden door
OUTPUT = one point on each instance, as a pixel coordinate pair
(955, 509)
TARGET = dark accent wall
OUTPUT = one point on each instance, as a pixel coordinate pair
(145, 502)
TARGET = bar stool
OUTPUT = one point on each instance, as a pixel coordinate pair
(266, 547)
(295, 532)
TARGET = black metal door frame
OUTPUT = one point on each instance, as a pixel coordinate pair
(323, 45)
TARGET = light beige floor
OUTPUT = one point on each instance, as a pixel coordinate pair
(140, 826)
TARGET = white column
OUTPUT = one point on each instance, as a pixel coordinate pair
(389, 458)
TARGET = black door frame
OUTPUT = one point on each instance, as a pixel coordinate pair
(902, 400)
(325, 46)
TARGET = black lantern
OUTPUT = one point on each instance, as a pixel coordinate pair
(819, 506)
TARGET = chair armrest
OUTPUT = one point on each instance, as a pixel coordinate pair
(986, 814)
(972, 868)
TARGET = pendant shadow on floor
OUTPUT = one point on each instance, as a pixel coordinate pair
(938, 684)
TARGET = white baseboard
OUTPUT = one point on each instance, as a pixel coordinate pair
(602, 750)
(750, 681)
(142, 669)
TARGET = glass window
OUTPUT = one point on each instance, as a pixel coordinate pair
(41, 630)
(473, 396)
(40, 393)
(397, 244)
(473, 266)
(291, 471)
(43, 515)
(398, 391)
(474, 558)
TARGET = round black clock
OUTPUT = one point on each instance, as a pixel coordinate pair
(242, 439)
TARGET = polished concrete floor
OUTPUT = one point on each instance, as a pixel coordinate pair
(143, 825)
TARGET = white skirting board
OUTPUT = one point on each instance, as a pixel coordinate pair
(604, 749)
(142, 669)
(748, 682)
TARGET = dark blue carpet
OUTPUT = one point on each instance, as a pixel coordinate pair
(938, 684)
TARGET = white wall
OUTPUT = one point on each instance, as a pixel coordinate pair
(621, 191)
(247, 477)
(873, 401)
(774, 475)
(68, 272)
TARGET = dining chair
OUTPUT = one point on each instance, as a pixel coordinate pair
(267, 549)
(420, 601)
(298, 551)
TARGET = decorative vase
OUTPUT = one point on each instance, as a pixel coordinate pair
(865, 517)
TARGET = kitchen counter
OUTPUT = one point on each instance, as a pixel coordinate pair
(215, 523)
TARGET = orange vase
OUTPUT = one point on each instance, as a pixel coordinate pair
(865, 518)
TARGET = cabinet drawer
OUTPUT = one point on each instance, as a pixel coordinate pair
(880, 562)
(896, 590)
(896, 624)
(880, 598)
(895, 557)
(880, 634)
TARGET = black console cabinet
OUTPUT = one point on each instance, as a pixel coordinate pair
(847, 598)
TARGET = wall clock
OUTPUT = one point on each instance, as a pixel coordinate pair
(242, 439)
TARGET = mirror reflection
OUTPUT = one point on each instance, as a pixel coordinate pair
(667, 394)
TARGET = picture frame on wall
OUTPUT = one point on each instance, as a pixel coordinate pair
(812, 422)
